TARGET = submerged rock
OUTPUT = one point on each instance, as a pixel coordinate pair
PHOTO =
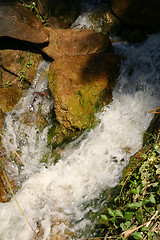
(81, 77)
(135, 12)
(19, 22)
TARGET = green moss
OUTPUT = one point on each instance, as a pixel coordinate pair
(58, 135)
(83, 105)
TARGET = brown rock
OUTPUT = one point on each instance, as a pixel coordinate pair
(1, 118)
(82, 77)
(137, 12)
(9, 96)
(55, 23)
(19, 22)
(65, 11)
(72, 42)
(7, 180)
(18, 66)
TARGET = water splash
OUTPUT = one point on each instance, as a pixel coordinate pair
(95, 161)
(22, 126)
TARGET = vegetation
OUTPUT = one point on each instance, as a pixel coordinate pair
(34, 8)
(135, 213)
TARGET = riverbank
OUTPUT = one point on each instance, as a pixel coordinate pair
(135, 212)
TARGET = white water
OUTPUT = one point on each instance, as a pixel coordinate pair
(92, 163)
(27, 138)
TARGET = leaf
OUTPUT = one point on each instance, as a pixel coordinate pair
(152, 198)
(139, 216)
(113, 219)
(155, 184)
(137, 235)
(139, 188)
(150, 234)
(111, 212)
(128, 215)
(134, 190)
(118, 213)
(123, 227)
(134, 205)
(144, 229)
(128, 224)
(146, 201)
(105, 218)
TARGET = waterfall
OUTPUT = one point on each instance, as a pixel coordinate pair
(59, 198)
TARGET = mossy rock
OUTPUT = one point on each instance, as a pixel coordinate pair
(80, 86)
(58, 135)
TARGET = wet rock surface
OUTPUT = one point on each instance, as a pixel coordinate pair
(101, 20)
(18, 66)
(81, 77)
(71, 42)
(19, 22)
(1, 119)
(7, 181)
(9, 96)
(135, 12)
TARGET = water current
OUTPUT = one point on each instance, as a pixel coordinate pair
(58, 199)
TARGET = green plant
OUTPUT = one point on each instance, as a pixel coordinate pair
(33, 7)
(7, 84)
(135, 213)
(24, 67)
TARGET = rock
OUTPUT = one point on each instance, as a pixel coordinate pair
(32, 118)
(9, 96)
(55, 23)
(19, 22)
(81, 77)
(65, 11)
(72, 42)
(137, 12)
(99, 20)
(18, 66)
(1, 119)
(6, 171)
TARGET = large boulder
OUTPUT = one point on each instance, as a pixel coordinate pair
(19, 22)
(73, 42)
(81, 77)
(137, 12)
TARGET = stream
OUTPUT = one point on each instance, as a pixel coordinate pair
(58, 199)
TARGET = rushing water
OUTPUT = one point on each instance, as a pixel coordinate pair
(57, 199)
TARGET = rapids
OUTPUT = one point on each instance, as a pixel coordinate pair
(57, 200)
